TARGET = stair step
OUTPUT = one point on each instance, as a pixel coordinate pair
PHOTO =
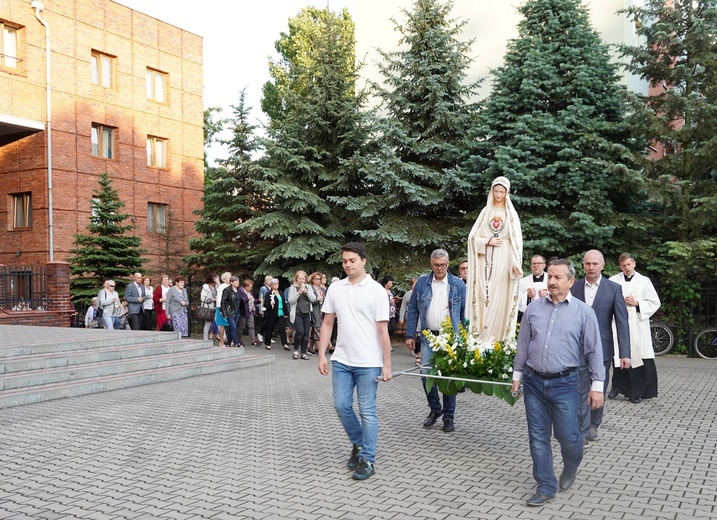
(107, 368)
(98, 354)
(95, 338)
(36, 394)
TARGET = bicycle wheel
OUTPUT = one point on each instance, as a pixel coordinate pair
(706, 344)
(662, 338)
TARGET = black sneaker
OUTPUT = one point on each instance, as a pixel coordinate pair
(365, 470)
(354, 458)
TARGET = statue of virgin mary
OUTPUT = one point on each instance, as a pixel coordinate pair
(495, 257)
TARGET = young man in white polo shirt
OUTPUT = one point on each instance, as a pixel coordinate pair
(363, 353)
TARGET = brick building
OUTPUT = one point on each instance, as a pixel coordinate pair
(126, 98)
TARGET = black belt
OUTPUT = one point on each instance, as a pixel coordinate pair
(435, 332)
(554, 375)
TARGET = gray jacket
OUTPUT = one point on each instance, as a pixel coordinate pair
(174, 297)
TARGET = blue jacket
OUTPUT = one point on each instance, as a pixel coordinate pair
(421, 300)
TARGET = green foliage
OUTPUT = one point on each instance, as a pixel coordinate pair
(107, 252)
(556, 125)
(228, 199)
(314, 148)
(420, 198)
(679, 58)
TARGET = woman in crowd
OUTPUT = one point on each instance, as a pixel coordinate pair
(220, 318)
(274, 315)
(387, 283)
(320, 293)
(301, 297)
(495, 259)
(208, 298)
(160, 301)
(147, 304)
(231, 309)
(177, 302)
(402, 319)
(124, 315)
(248, 311)
(91, 321)
(109, 301)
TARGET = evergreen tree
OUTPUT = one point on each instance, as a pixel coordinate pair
(107, 252)
(228, 198)
(555, 125)
(314, 147)
(421, 197)
(679, 58)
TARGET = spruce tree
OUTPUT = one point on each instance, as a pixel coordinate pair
(679, 58)
(228, 198)
(421, 198)
(555, 125)
(315, 136)
(107, 252)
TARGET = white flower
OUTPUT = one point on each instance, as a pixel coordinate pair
(510, 369)
(504, 376)
(465, 365)
(490, 370)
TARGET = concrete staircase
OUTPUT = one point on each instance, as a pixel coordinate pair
(59, 363)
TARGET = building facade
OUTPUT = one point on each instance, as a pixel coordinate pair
(125, 98)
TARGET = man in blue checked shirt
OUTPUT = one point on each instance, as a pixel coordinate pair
(557, 333)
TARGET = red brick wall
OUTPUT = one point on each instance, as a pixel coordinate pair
(59, 310)
(138, 41)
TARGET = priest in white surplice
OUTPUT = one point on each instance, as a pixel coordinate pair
(533, 286)
(640, 381)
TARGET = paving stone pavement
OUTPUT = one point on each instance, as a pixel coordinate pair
(265, 443)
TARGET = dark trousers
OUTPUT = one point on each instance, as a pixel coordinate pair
(270, 323)
(302, 328)
(135, 320)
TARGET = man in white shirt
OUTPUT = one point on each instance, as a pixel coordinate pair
(533, 286)
(362, 354)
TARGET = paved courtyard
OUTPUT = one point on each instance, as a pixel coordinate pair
(265, 443)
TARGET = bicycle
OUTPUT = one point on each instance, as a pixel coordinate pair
(706, 343)
(663, 339)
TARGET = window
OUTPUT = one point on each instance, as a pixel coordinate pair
(103, 141)
(21, 210)
(102, 69)
(156, 152)
(156, 86)
(9, 46)
(157, 217)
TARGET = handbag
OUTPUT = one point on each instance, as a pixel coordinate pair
(100, 310)
(203, 313)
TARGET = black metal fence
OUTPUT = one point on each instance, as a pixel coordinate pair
(701, 314)
(23, 288)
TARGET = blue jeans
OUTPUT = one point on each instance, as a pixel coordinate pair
(552, 403)
(365, 433)
(434, 399)
(233, 336)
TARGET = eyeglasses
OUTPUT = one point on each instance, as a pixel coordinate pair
(439, 266)
(537, 263)
(112, 285)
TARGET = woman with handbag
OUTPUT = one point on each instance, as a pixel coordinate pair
(316, 320)
(219, 318)
(231, 309)
(160, 301)
(248, 311)
(208, 299)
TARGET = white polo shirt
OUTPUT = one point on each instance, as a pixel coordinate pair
(357, 307)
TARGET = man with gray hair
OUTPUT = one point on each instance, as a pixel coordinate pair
(557, 333)
(436, 295)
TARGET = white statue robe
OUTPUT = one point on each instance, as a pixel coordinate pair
(492, 286)
(641, 288)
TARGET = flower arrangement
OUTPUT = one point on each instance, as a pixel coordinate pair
(460, 355)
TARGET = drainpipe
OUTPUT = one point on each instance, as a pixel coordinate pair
(38, 6)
